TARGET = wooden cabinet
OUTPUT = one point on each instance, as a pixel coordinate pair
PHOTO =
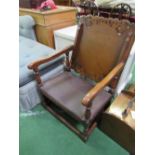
(48, 21)
(120, 129)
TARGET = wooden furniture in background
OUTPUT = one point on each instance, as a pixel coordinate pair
(48, 21)
(30, 3)
(117, 124)
(36, 3)
(120, 11)
(63, 2)
(100, 58)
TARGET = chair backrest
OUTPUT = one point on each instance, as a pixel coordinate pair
(101, 43)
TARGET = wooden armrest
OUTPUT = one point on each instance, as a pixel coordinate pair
(35, 64)
(100, 85)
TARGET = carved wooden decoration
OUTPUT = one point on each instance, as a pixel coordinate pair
(103, 44)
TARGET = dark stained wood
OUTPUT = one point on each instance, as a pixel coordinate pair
(37, 63)
(67, 91)
(120, 11)
(37, 77)
(83, 135)
(109, 44)
(118, 131)
(77, 42)
(118, 126)
(99, 54)
(67, 63)
(88, 113)
(30, 3)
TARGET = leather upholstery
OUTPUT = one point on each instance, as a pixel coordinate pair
(101, 46)
(67, 91)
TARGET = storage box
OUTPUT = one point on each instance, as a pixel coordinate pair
(64, 37)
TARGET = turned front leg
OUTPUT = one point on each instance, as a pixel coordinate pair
(67, 63)
(37, 76)
(88, 112)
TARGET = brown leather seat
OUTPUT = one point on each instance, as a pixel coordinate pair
(70, 100)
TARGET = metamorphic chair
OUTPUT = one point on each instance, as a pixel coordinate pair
(86, 85)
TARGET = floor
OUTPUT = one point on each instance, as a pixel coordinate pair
(43, 134)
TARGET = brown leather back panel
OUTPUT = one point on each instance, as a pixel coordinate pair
(101, 46)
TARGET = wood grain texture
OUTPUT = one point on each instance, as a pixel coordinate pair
(117, 108)
(104, 43)
(48, 21)
(36, 63)
(100, 85)
(99, 53)
(119, 128)
(118, 131)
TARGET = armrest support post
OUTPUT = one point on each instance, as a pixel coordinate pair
(34, 66)
(37, 76)
(100, 85)
(67, 63)
(88, 112)
(37, 63)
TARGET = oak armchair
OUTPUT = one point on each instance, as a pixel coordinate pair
(98, 56)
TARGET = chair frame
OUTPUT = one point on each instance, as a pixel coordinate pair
(111, 78)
